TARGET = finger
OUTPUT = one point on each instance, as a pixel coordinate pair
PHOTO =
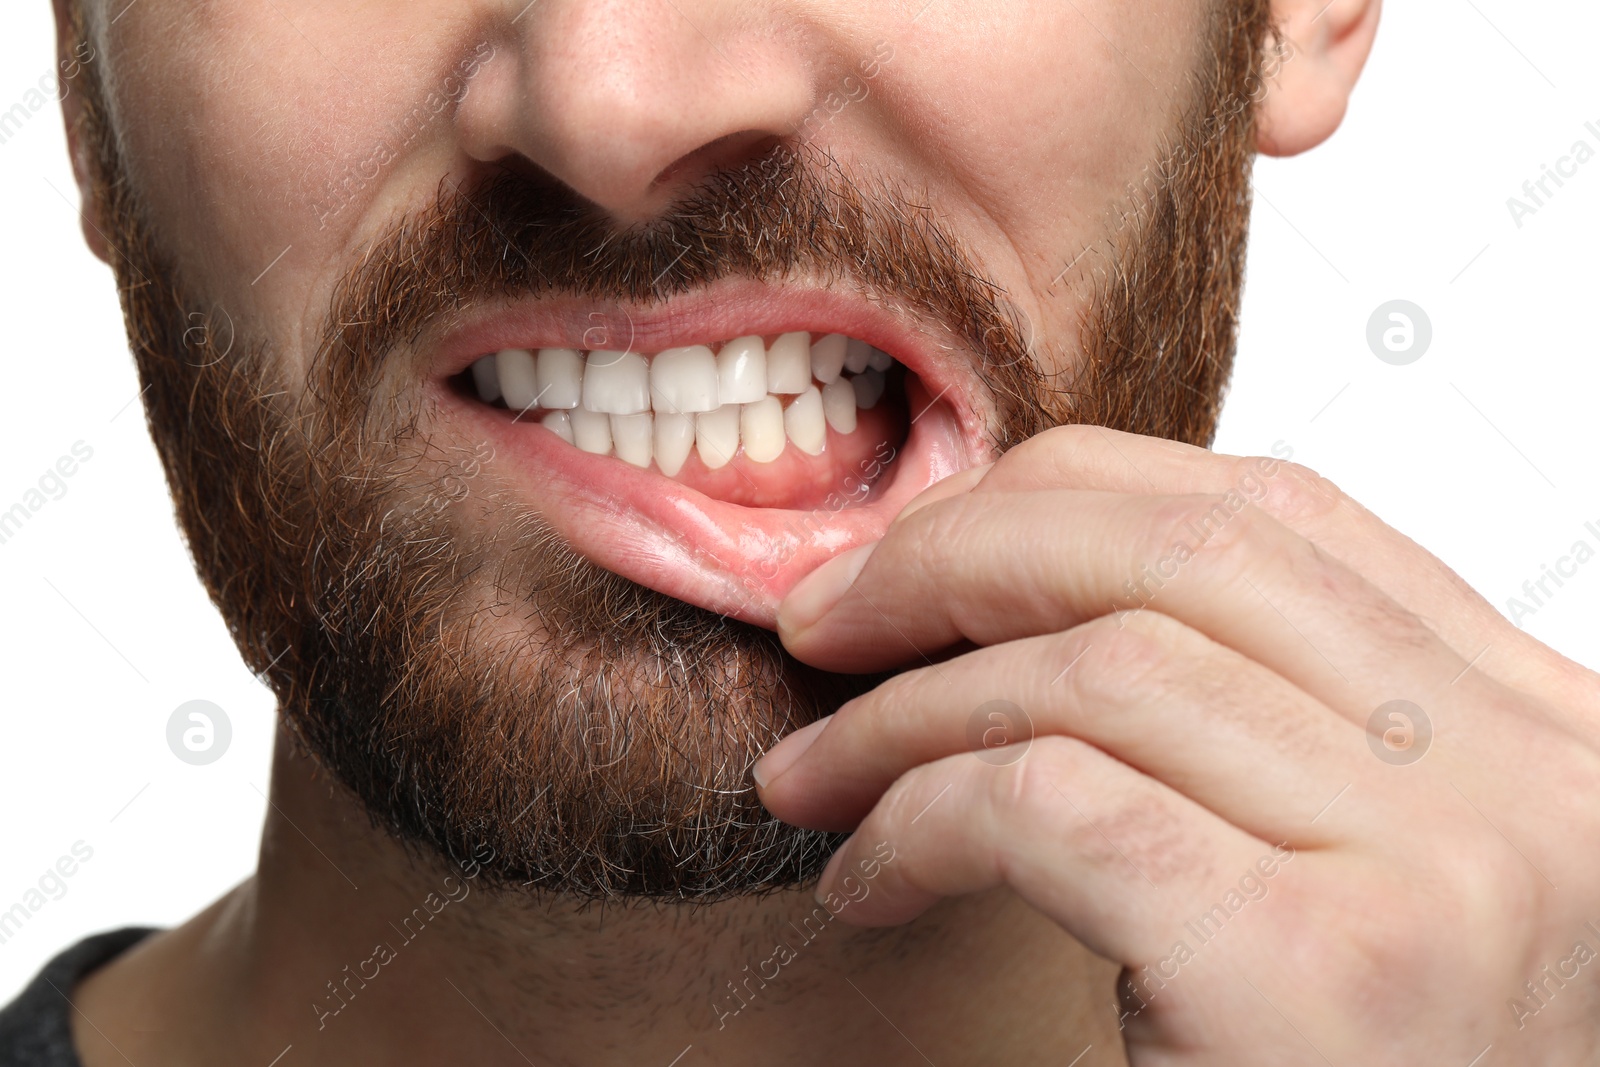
(1093, 457)
(1116, 858)
(1218, 728)
(961, 482)
(996, 567)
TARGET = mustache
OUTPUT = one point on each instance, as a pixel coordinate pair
(793, 211)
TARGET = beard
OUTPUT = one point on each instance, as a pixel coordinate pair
(467, 675)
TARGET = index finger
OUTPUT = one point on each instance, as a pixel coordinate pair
(1093, 457)
(995, 567)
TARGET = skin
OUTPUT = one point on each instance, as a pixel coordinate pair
(237, 116)
(1394, 909)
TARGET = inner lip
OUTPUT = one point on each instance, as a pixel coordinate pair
(732, 538)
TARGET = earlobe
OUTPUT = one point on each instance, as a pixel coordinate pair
(1324, 47)
(73, 52)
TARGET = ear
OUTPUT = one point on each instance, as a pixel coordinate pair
(1324, 44)
(75, 50)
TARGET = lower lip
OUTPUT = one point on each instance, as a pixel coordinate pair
(724, 557)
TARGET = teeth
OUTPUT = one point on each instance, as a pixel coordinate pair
(684, 380)
(789, 364)
(631, 436)
(742, 371)
(518, 382)
(827, 357)
(856, 356)
(716, 435)
(560, 378)
(839, 405)
(559, 423)
(761, 429)
(617, 383)
(674, 439)
(869, 388)
(591, 431)
(486, 379)
(658, 409)
(804, 422)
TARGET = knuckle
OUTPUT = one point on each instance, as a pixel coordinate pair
(879, 715)
(1295, 494)
(1220, 528)
(1150, 660)
(903, 801)
(1122, 654)
(1385, 957)
(1363, 947)
(1050, 443)
(1072, 794)
(1231, 541)
(1468, 886)
(1030, 788)
(1386, 940)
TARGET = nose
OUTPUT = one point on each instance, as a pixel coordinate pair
(629, 102)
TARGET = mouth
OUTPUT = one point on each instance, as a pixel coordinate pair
(721, 445)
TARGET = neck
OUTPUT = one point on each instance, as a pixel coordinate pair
(345, 948)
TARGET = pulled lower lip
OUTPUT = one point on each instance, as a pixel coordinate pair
(709, 541)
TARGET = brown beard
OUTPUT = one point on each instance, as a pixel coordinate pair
(494, 688)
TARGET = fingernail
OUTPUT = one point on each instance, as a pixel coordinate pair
(783, 755)
(820, 590)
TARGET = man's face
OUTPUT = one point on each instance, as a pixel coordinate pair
(325, 215)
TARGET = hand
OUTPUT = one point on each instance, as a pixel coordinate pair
(1206, 779)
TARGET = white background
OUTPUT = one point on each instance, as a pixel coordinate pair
(1483, 450)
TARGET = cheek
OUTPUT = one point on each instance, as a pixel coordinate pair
(1046, 112)
(259, 134)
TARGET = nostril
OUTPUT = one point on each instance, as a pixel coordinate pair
(725, 153)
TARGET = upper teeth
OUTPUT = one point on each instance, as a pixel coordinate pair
(691, 398)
